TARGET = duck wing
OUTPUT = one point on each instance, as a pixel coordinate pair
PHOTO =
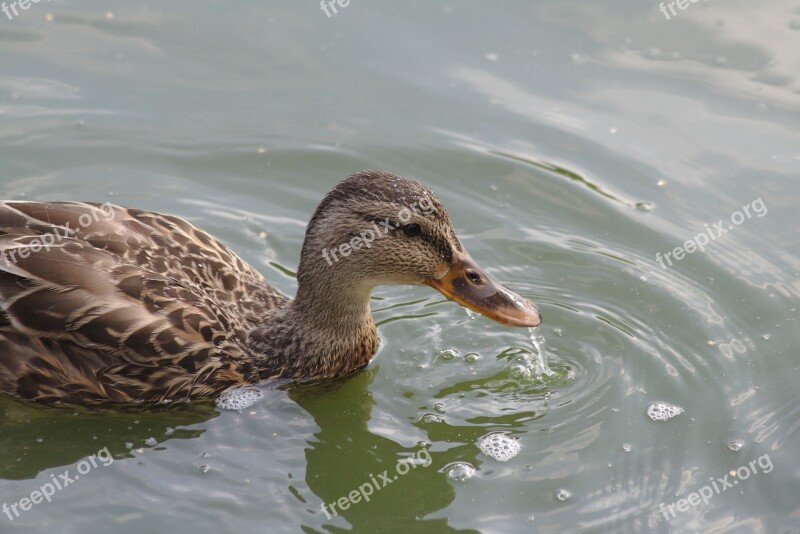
(100, 302)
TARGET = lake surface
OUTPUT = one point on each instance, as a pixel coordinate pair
(574, 144)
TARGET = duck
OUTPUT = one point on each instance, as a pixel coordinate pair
(103, 303)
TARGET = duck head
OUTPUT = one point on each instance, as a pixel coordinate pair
(377, 228)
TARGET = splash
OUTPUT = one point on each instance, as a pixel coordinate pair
(539, 363)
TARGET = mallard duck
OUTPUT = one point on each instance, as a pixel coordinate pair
(106, 303)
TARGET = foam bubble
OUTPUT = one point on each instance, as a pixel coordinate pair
(238, 398)
(499, 446)
(661, 411)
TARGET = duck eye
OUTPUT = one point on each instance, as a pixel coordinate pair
(412, 230)
(474, 277)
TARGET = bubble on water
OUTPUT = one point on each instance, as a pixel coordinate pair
(238, 398)
(447, 354)
(432, 418)
(439, 407)
(499, 446)
(661, 411)
(169, 431)
(736, 445)
(661, 183)
(39, 439)
(645, 206)
(151, 442)
(563, 495)
(490, 56)
(626, 447)
(459, 471)
(204, 468)
(557, 331)
(765, 337)
(472, 357)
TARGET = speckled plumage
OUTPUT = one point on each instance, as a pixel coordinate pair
(126, 304)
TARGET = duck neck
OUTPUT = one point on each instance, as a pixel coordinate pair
(326, 331)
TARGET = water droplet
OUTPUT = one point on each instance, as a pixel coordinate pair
(661, 183)
(563, 495)
(471, 314)
(109, 15)
(459, 471)
(612, 130)
(711, 342)
(736, 445)
(579, 59)
(491, 56)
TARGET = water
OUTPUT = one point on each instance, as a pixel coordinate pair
(574, 144)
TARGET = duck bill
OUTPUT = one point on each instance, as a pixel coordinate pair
(470, 286)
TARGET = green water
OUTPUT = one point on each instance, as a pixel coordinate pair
(571, 141)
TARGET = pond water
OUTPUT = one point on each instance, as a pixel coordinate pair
(574, 144)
